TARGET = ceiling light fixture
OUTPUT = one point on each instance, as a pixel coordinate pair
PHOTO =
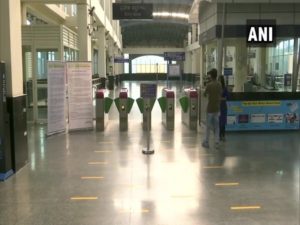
(171, 15)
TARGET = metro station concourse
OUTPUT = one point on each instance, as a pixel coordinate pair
(103, 112)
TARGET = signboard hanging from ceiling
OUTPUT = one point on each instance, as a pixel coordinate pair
(174, 56)
(132, 11)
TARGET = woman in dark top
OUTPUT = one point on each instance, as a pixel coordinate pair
(223, 109)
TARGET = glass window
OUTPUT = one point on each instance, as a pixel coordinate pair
(149, 64)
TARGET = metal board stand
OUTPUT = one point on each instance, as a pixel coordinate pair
(147, 150)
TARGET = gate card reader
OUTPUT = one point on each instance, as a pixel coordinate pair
(167, 105)
(189, 105)
(124, 105)
(103, 105)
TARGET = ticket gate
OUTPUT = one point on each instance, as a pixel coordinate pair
(145, 106)
(167, 105)
(189, 105)
(124, 105)
(103, 105)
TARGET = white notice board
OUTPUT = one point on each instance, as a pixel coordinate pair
(174, 70)
(80, 95)
(56, 97)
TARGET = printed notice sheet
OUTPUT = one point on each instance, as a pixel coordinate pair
(56, 97)
(80, 95)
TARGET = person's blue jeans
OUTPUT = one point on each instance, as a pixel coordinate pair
(212, 123)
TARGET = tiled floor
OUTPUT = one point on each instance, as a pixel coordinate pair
(181, 184)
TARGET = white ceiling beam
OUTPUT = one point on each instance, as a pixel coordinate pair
(55, 1)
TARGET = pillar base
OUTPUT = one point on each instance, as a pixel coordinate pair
(4, 176)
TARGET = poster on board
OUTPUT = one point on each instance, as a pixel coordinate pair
(56, 97)
(263, 115)
(174, 70)
(80, 97)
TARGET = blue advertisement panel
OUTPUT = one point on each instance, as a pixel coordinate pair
(263, 115)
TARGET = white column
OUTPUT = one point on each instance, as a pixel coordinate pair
(295, 65)
(85, 46)
(261, 65)
(11, 45)
(24, 13)
(241, 65)
(188, 62)
(111, 52)
(194, 32)
(102, 52)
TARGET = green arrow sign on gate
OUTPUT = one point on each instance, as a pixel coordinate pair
(140, 102)
(184, 103)
(107, 104)
(130, 102)
(117, 103)
(162, 103)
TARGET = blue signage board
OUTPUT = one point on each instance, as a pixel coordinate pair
(263, 115)
(148, 90)
(228, 72)
(120, 60)
(174, 56)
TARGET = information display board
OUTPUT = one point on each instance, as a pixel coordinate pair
(228, 72)
(80, 95)
(56, 97)
(148, 90)
(174, 56)
(120, 59)
(263, 115)
(132, 11)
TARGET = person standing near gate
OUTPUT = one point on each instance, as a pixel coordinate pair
(214, 92)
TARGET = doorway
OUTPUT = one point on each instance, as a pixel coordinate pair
(35, 81)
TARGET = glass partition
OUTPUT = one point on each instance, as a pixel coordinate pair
(254, 69)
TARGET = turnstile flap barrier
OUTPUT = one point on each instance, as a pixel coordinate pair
(107, 104)
(162, 103)
(184, 103)
(140, 103)
(130, 102)
(117, 103)
(152, 102)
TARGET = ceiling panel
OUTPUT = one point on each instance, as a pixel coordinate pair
(160, 31)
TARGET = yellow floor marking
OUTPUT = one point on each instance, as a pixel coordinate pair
(83, 198)
(204, 154)
(90, 178)
(98, 163)
(182, 196)
(165, 141)
(227, 184)
(212, 167)
(133, 186)
(103, 151)
(135, 211)
(145, 211)
(245, 207)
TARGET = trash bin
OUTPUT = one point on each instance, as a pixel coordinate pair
(111, 83)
